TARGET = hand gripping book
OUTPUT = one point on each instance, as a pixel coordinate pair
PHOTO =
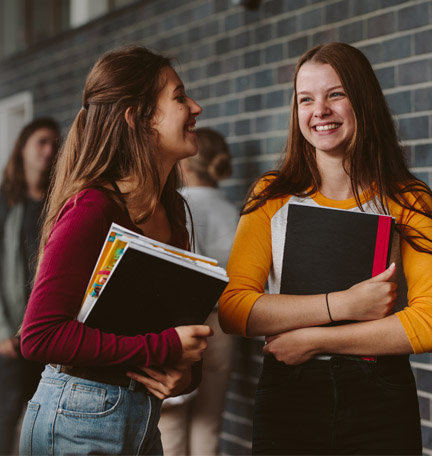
(329, 249)
(140, 285)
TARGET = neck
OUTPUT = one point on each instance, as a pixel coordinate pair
(335, 182)
(34, 180)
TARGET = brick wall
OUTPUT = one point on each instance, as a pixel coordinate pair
(238, 65)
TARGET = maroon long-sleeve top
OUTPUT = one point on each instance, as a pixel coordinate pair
(50, 332)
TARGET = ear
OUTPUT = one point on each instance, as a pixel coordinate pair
(128, 117)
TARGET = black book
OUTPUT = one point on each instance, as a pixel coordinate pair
(149, 286)
(329, 249)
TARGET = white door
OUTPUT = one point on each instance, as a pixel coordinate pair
(15, 112)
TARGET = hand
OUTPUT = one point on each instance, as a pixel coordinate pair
(9, 348)
(293, 347)
(166, 382)
(371, 299)
(194, 343)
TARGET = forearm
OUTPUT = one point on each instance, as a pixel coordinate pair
(273, 314)
(380, 337)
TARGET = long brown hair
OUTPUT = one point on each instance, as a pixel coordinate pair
(374, 158)
(14, 184)
(101, 147)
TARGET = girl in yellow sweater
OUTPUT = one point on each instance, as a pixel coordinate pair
(342, 152)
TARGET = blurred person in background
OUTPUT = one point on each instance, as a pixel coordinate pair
(190, 424)
(22, 192)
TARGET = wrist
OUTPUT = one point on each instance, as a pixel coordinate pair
(338, 305)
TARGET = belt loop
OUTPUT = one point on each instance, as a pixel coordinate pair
(132, 385)
(58, 368)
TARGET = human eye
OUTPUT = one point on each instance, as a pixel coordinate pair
(337, 95)
(181, 98)
(304, 99)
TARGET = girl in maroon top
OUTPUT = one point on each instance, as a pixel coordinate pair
(118, 164)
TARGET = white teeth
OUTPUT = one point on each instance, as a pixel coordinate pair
(327, 127)
(190, 128)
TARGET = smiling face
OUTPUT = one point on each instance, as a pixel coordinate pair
(175, 120)
(325, 115)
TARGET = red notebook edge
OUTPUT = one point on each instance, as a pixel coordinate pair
(382, 244)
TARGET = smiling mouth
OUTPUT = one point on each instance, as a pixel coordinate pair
(333, 126)
(190, 128)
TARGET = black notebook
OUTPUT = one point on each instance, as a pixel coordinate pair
(330, 249)
(148, 286)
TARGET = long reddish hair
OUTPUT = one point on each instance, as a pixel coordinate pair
(374, 158)
(101, 147)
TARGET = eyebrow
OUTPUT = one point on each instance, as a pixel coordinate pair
(304, 92)
(179, 87)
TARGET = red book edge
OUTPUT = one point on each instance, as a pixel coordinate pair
(382, 245)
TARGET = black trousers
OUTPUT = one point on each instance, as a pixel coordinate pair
(337, 406)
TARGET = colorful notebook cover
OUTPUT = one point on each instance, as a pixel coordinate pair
(151, 286)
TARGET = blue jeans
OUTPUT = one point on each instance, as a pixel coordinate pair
(70, 416)
(339, 406)
(18, 382)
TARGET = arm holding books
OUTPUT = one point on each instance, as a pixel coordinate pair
(245, 309)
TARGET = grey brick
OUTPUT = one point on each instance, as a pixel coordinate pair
(233, 21)
(222, 128)
(414, 16)
(253, 103)
(400, 102)
(285, 73)
(396, 48)
(240, 40)
(275, 99)
(252, 58)
(426, 436)
(213, 69)
(298, 46)
(373, 52)
(311, 19)
(414, 72)
(386, 77)
(270, 122)
(325, 36)
(221, 5)
(351, 33)
(363, 6)
(222, 46)
(263, 33)
(243, 83)
(212, 111)
(414, 128)
(273, 8)
(202, 11)
(383, 24)
(264, 78)
(222, 88)
(229, 447)
(423, 99)
(274, 53)
(424, 406)
(336, 12)
(422, 156)
(231, 107)
(423, 42)
(287, 26)
(230, 64)
(387, 3)
(242, 127)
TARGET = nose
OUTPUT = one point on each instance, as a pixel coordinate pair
(322, 109)
(194, 108)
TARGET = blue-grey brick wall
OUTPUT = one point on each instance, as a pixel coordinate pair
(238, 65)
